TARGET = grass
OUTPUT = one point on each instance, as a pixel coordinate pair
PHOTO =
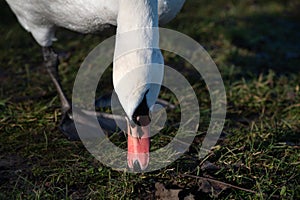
(256, 47)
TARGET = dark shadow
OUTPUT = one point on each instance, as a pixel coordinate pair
(257, 42)
(266, 42)
(6, 15)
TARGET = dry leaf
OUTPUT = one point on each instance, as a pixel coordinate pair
(164, 194)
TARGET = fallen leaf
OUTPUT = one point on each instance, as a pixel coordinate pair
(212, 187)
(164, 194)
(207, 166)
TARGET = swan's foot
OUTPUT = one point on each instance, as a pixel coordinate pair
(67, 127)
(108, 123)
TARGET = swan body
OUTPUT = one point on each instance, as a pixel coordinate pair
(137, 58)
(40, 17)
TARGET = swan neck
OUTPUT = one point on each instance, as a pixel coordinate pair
(137, 26)
(136, 14)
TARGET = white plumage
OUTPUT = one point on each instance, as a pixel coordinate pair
(40, 17)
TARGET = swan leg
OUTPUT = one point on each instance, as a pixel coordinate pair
(51, 62)
(66, 124)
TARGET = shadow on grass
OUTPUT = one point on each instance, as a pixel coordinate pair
(7, 17)
(253, 36)
(266, 42)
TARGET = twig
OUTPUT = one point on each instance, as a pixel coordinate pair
(225, 184)
(220, 182)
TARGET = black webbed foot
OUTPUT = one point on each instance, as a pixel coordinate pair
(67, 127)
(108, 123)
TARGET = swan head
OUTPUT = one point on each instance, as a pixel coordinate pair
(137, 86)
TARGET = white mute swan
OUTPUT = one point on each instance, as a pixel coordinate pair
(40, 17)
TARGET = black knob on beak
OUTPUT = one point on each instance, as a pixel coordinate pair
(136, 166)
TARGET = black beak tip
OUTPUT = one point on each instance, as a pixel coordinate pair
(137, 166)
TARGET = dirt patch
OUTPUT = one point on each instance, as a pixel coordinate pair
(3, 76)
(10, 167)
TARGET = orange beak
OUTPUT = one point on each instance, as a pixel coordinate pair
(138, 144)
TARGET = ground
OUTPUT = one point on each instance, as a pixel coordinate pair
(256, 47)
